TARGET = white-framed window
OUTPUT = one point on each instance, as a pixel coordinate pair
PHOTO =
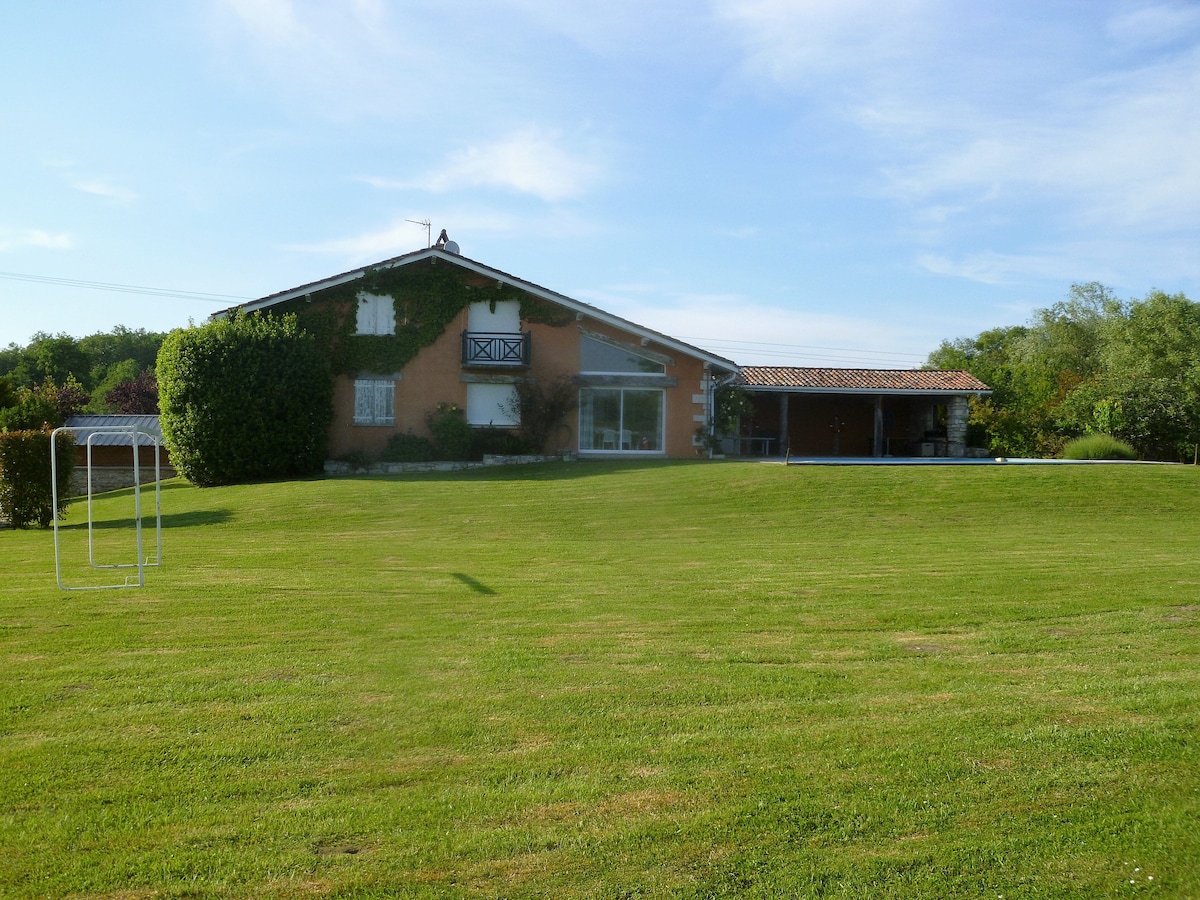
(374, 401)
(621, 419)
(376, 314)
(610, 359)
(492, 404)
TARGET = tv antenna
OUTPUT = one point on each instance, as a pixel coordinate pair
(427, 225)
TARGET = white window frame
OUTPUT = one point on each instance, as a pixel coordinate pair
(658, 364)
(618, 437)
(374, 401)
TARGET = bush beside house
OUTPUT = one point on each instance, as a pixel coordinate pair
(244, 398)
(26, 495)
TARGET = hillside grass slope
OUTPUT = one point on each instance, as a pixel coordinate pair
(615, 680)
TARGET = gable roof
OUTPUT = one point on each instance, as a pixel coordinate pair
(479, 268)
(870, 381)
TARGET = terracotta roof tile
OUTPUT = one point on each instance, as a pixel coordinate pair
(860, 379)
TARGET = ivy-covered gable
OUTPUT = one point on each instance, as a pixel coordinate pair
(427, 295)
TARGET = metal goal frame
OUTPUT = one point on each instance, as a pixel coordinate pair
(142, 562)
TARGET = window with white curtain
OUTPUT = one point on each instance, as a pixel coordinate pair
(374, 401)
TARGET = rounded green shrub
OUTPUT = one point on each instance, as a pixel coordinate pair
(1098, 446)
(244, 398)
(453, 438)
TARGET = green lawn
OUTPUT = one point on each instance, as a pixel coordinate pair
(617, 680)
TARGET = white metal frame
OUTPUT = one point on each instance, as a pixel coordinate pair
(143, 562)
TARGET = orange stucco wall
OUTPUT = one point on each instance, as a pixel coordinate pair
(436, 375)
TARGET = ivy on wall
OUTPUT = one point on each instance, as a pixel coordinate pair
(426, 298)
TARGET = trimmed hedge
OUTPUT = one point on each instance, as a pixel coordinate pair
(244, 398)
(26, 495)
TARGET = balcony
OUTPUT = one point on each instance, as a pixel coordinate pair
(485, 348)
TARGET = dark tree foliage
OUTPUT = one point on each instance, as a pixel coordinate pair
(96, 364)
(45, 406)
(136, 397)
(244, 398)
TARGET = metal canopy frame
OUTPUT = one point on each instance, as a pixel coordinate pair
(143, 562)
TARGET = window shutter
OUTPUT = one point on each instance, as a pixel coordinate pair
(385, 400)
(363, 400)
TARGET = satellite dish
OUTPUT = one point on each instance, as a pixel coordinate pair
(451, 247)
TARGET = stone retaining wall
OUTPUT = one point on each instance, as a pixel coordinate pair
(112, 478)
(339, 467)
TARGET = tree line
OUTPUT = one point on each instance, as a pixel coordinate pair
(1091, 364)
(57, 375)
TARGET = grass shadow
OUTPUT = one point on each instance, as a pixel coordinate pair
(547, 471)
(169, 520)
(474, 585)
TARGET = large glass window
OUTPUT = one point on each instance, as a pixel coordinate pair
(621, 419)
(597, 356)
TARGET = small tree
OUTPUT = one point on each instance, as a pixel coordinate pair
(47, 405)
(243, 398)
(542, 409)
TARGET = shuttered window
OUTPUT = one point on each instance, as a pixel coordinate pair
(492, 404)
(376, 315)
(374, 402)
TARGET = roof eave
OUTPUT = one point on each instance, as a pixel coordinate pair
(906, 392)
(479, 268)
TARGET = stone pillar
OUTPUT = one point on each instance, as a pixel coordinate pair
(957, 411)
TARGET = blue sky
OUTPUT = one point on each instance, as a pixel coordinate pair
(805, 182)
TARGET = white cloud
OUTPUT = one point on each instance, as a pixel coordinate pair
(392, 240)
(272, 20)
(12, 239)
(101, 188)
(1113, 153)
(749, 333)
(790, 41)
(1154, 24)
(529, 161)
(407, 235)
(990, 267)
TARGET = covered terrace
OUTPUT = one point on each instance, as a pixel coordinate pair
(856, 412)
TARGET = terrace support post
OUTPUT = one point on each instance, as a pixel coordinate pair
(877, 442)
(785, 442)
(957, 411)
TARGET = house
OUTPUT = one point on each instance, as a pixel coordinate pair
(857, 412)
(433, 327)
